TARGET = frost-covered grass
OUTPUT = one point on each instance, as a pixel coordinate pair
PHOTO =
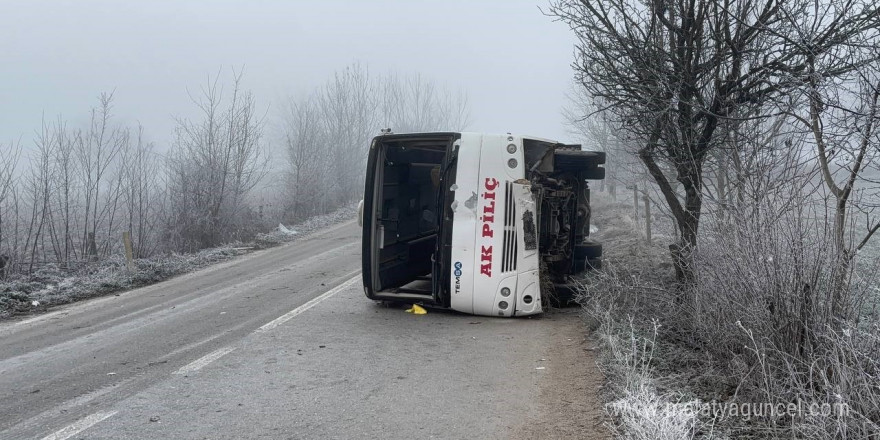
(744, 336)
(50, 286)
(642, 394)
(639, 406)
(283, 234)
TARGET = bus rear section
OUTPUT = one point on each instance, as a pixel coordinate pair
(403, 221)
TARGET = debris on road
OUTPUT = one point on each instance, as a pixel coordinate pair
(417, 310)
(285, 230)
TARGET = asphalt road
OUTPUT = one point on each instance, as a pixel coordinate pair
(283, 344)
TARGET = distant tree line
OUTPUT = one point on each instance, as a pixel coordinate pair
(326, 134)
(68, 198)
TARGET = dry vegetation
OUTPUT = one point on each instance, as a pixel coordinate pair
(752, 335)
(751, 128)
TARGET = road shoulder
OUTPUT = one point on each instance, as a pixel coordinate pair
(570, 405)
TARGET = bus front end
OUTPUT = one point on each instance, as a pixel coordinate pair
(494, 255)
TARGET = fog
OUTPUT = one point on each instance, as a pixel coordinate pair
(512, 61)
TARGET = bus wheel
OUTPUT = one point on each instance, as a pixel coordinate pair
(564, 295)
(587, 264)
(593, 173)
(588, 250)
(576, 160)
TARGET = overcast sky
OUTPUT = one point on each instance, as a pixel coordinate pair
(58, 56)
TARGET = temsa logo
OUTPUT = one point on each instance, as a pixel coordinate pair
(488, 220)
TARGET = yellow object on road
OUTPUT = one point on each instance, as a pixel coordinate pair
(417, 310)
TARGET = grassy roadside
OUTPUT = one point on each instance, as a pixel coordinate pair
(720, 367)
(643, 385)
(50, 286)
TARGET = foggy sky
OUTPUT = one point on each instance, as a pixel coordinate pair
(58, 56)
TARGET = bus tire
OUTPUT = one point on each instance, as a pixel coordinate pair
(574, 160)
(593, 173)
(589, 250)
(564, 295)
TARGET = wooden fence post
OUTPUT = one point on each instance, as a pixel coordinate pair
(636, 204)
(647, 218)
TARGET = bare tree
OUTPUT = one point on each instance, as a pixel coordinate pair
(65, 173)
(9, 156)
(413, 103)
(96, 150)
(214, 163)
(327, 134)
(40, 187)
(842, 118)
(587, 123)
(303, 137)
(671, 72)
(348, 111)
(140, 189)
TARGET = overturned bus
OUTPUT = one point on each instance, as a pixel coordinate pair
(472, 221)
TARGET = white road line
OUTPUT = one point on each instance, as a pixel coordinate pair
(199, 363)
(312, 303)
(80, 426)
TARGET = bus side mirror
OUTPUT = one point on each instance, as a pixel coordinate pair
(361, 213)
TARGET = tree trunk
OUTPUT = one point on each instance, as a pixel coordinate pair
(687, 217)
(841, 266)
(688, 220)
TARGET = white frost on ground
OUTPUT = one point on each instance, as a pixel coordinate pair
(50, 285)
(279, 235)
